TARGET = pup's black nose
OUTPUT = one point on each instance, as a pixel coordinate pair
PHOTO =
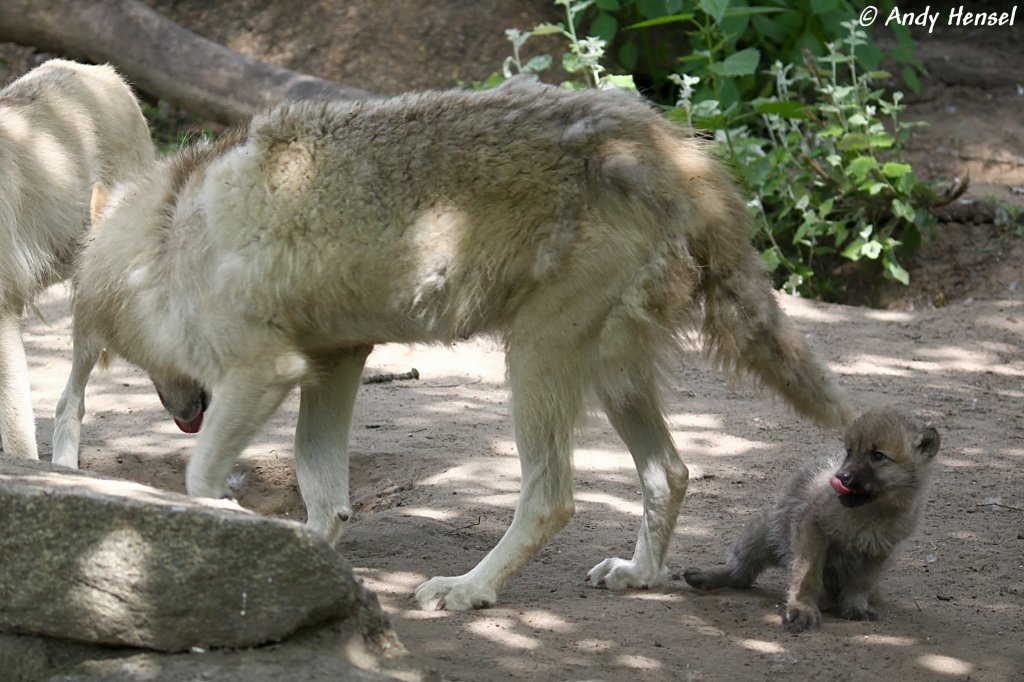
(846, 478)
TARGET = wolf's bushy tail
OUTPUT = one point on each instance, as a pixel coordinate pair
(743, 327)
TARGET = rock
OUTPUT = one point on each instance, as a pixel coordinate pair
(336, 651)
(118, 563)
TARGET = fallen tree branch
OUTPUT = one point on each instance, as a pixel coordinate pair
(161, 58)
(388, 377)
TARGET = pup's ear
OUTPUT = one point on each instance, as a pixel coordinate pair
(98, 202)
(926, 442)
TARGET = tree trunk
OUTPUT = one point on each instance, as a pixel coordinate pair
(160, 57)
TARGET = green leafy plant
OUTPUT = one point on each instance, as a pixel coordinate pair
(583, 60)
(824, 155)
(820, 146)
(652, 38)
(1008, 219)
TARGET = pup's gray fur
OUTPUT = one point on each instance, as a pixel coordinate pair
(581, 228)
(838, 522)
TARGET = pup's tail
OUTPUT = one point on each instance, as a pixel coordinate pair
(743, 326)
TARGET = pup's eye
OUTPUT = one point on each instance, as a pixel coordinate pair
(877, 456)
(849, 453)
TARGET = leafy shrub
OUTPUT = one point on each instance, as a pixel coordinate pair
(817, 141)
(824, 155)
(726, 37)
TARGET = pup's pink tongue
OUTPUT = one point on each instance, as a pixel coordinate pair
(192, 426)
(837, 485)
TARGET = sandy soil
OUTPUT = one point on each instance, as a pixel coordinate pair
(435, 474)
(435, 479)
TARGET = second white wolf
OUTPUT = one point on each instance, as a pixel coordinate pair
(581, 228)
(63, 127)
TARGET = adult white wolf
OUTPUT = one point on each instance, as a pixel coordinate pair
(63, 127)
(580, 227)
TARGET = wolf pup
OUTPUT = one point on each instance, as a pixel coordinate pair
(63, 127)
(582, 229)
(839, 521)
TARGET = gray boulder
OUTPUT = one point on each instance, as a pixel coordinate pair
(113, 562)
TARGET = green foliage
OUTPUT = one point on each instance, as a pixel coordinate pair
(651, 39)
(815, 140)
(584, 58)
(1008, 219)
(170, 127)
(824, 155)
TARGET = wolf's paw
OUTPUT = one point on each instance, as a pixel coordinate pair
(200, 483)
(330, 522)
(66, 438)
(65, 454)
(454, 594)
(800, 617)
(217, 492)
(623, 574)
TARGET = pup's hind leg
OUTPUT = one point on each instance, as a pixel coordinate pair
(67, 422)
(321, 441)
(638, 419)
(17, 427)
(242, 402)
(545, 403)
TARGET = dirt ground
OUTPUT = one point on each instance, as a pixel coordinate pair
(435, 473)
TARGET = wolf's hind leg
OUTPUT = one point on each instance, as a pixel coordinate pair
(17, 426)
(638, 419)
(321, 441)
(546, 395)
(67, 422)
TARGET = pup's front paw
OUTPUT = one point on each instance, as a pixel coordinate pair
(622, 574)
(800, 617)
(454, 594)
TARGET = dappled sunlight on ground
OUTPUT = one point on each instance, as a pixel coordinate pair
(762, 646)
(435, 481)
(945, 665)
(586, 500)
(943, 359)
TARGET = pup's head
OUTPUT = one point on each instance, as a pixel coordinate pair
(185, 399)
(887, 456)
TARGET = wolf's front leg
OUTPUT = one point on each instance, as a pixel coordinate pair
(545, 399)
(242, 402)
(321, 440)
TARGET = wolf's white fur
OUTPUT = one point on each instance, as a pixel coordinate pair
(63, 127)
(581, 228)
